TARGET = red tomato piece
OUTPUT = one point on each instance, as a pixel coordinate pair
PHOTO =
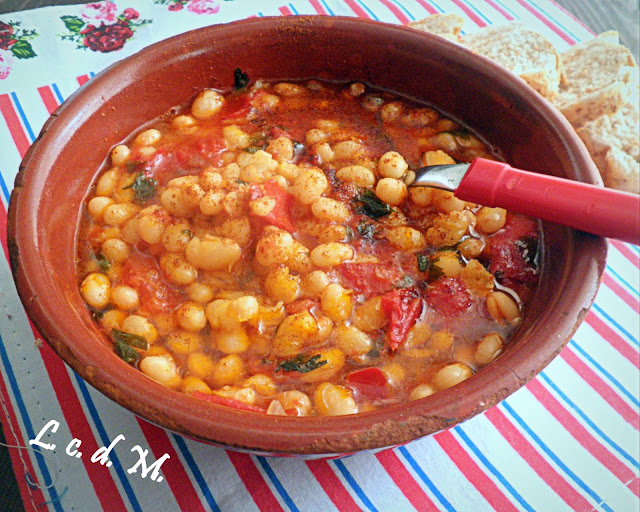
(448, 296)
(369, 382)
(228, 402)
(370, 278)
(301, 305)
(143, 273)
(511, 250)
(280, 216)
(402, 308)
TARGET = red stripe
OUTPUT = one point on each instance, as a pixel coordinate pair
(580, 433)
(427, 7)
(285, 11)
(478, 478)
(546, 21)
(316, 5)
(359, 11)
(254, 482)
(405, 481)
(613, 338)
(536, 461)
(21, 463)
(629, 414)
(3, 230)
(13, 123)
(579, 22)
(623, 294)
(83, 79)
(48, 99)
(626, 252)
(396, 12)
(172, 468)
(500, 10)
(470, 14)
(76, 419)
(332, 486)
(634, 486)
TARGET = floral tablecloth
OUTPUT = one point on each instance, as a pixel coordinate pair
(567, 441)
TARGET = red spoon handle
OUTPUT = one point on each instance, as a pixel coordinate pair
(601, 211)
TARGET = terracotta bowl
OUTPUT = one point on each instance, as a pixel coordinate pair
(62, 164)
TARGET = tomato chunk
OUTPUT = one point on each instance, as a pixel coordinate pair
(449, 296)
(143, 273)
(228, 402)
(280, 216)
(369, 382)
(403, 308)
(370, 278)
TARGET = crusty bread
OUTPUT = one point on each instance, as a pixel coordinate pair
(601, 77)
(443, 25)
(612, 141)
(524, 52)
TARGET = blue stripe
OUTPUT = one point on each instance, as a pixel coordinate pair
(425, 479)
(565, 29)
(635, 248)
(588, 421)
(627, 334)
(13, 383)
(368, 10)
(436, 6)
(354, 485)
(277, 484)
(93, 412)
(57, 92)
(623, 281)
(604, 372)
(293, 9)
(473, 8)
(555, 458)
(260, 15)
(5, 190)
(494, 471)
(195, 471)
(25, 121)
(403, 8)
(506, 8)
(326, 6)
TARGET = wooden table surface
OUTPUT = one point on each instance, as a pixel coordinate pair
(600, 16)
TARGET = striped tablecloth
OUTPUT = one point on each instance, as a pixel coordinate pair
(567, 441)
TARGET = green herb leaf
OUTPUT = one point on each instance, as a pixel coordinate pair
(127, 353)
(253, 149)
(133, 340)
(132, 165)
(299, 364)
(187, 232)
(405, 282)
(366, 229)
(423, 262)
(435, 271)
(144, 187)
(371, 206)
(103, 263)
(73, 23)
(240, 79)
(22, 50)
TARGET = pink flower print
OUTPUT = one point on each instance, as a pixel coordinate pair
(131, 14)
(6, 64)
(203, 7)
(176, 7)
(100, 11)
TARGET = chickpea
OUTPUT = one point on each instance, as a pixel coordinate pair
(421, 196)
(351, 340)
(200, 364)
(295, 403)
(125, 297)
(327, 209)
(120, 154)
(331, 254)
(336, 302)
(370, 316)
(441, 341)
(490, 220)
(184, 342)
(347, 150)
(502, 307)
(294, 333)
(141, 326)
(190, 384)
(359, 175)
(151, 226)
(212, 203)
(243, 308)
(213, 253)
(177, 269)
(232, 342)
(447, 229)
(315, 135)
(175, 237)
(288, 90)
(471, 248)
(450, 375)
(392, 165)
(148, 137)
(274, 248)
(489, 348)
(262, 384)
(183, 121)
(228, 370)
(333, 400)
(445, 202)
(391, 191)
(95, 290)
(438, 157)
(98, 205)
(115, 250)
(200, 292)
(161, 369)
(448, 263)
(281, 148)
(406, 238)
(280, 285)
(314, 282)
(335, 360)
(191, 317)
(309, 185)
(391, 111)
(207, 104)
(118, 213)
(421, 391)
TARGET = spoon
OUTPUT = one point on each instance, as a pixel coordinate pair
(601, 211)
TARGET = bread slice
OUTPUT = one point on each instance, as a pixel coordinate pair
(443, 25)
(613, 142)
(524, 52)
(601, 77)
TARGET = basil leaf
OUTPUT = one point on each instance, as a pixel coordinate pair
(371, 206)
(366, 229)
(299, 364)
(240, 79)
(133, 340)
(405, 282)
(103, 263)
(127, 353)
(144, 187)
(423, 262)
